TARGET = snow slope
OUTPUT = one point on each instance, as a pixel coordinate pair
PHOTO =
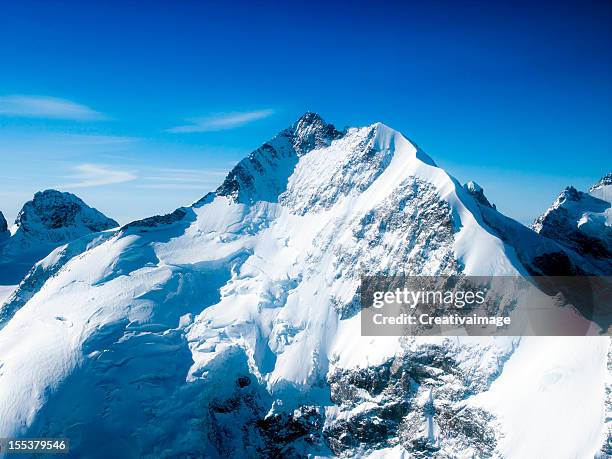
(547, 375)
(231, 327)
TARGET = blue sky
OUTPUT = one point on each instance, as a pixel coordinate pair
(142, 107)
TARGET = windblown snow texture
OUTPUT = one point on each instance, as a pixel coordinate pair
(231, 328)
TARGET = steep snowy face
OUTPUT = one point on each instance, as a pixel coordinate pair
(580, 221)
(232, 327)
(50, 219)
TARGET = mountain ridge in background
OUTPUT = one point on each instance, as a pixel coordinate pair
(52, 218)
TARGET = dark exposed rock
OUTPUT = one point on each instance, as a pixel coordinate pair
(264, 173)
(554, 264)
(3, 224)
(405, 408)
(311, 132)
(282, 429)
(158, 220)
(51, 209)
(242, 425)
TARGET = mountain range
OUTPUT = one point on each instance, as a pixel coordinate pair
(231, 327)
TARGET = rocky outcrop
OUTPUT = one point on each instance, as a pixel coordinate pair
(54, 216)
(578, 221)
(477, 193)
(264, 173)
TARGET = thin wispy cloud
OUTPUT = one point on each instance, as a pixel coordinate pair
(94, 140)
(47, 107)
(183, 179)
(222, 121)
(90, 175)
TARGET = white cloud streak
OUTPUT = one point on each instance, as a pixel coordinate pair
(90, 175)
(47, 107)
(183, 179)
(222, 121)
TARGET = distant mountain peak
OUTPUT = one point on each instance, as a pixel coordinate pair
(51, 210)
(578, 220)
(606, 180)
(309, 118)
(52, 218)
(603, 188)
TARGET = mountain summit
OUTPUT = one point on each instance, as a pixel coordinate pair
(264, 173)
(57, 216)
(50, 219)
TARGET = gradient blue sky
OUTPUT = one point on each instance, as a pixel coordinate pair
(140, 107)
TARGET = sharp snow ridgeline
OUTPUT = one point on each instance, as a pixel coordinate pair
(230, 328)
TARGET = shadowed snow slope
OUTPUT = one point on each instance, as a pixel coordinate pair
(231, 328)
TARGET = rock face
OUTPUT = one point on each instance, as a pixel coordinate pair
(4, 232)
(56, 217)
(581, 222)
(3, 225)
(264, 173)
(50, 219)
(232, 328)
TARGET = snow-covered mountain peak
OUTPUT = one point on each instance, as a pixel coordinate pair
(311, 131)
(50, 219)
(263, 175)
(604, 181)
(57, 216)
(603, 188)
(581, 222)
